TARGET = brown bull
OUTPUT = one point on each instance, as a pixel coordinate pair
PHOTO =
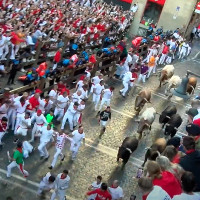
(164, 76)
(191, 85)
(143, 97)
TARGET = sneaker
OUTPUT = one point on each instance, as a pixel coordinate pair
(50, 167)
(16, 140)
(46, 158)
(63, 158)
(41, 157)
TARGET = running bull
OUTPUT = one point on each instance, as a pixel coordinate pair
(172, 126)
(146, 120)
(129, 145)
(142, 98)
(167, 114)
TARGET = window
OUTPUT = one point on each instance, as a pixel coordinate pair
(152, 12)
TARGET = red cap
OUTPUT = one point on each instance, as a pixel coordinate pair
(38, 91)
(39, 112)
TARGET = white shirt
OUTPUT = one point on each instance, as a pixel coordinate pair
(53, 94)
(98, 88)
(84, 94)
(158, 194)
(134, 9)
(79, 85)
(116, 193)
(71, 111)
(96, 80)
(45, 184)
(184, 196)
(21, 109)
(44, 106)
(46, 135)
(80, 108)
(25, 123)
(2, 40)
(62, 184)
(128, 60)
(60, 140)
(94, 187)
(63, 100)
(77, 137)
(4, 109)
(76, 97)
(107, 94)
(39, 120)
(127, 77)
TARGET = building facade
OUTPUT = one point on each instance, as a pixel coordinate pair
(170, 14)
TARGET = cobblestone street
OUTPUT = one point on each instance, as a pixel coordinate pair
(98, 156)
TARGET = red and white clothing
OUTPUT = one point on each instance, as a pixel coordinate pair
(94, 187)
(76, 142)
(98, 88)
(45, 138)
(100, 194)
(116, 192)
(60, 143)
(33, 104)
(69, 115)
(23, 127)
(56, 59)
(40, 121)
(79, 85)
(62, 103)
(45, 106)
(3, 128)
(78, 114)
(3, 111)
(106, 98)
(76, 97)
(20, 109)
(95, 80)
(61, 184)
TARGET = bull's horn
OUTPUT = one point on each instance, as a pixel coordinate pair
(146, 100)
(167, 124)
(147, 125)
(176, 128)
(129, 150)
(158, 113)
(168, 117)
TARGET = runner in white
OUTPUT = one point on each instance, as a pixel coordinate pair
(53, 94)
(69, 115)
(77, 137)
(45, 138)
(106, 97)
(62, 102)
(60, 143)
(78, 114)
(61, 184)
(95, 80)
(40, 121)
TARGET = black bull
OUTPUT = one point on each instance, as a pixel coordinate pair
(172, 126)
(129, 145)
(167, 114)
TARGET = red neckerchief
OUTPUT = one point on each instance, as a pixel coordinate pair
(190, 151)
(112, 186)
(19, 149)
(62, 176)
(197, 137)
(22, 104)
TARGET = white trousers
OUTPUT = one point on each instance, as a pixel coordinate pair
(104, 101)
(70, 119)
(12, 165)
(1, 136)
(169, 60)
(74, 148)
(14, 50)
(96, 99)
(11, 118)
(21, 131)
(35, 131)
(59, 112)
(125, 89)
(149, 71)
(141, 77)
(43, 150)
(18, 120)
(55, 157)
(162, 58)
(60, 194)
(76, 118)
(182, 54)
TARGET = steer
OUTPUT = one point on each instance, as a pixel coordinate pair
(156, 148)
(129, 145)
(146, 120)
(142, 98)
(166, 114)
(172, 126)
(166, 73)
(191, 85)
(173, 82)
